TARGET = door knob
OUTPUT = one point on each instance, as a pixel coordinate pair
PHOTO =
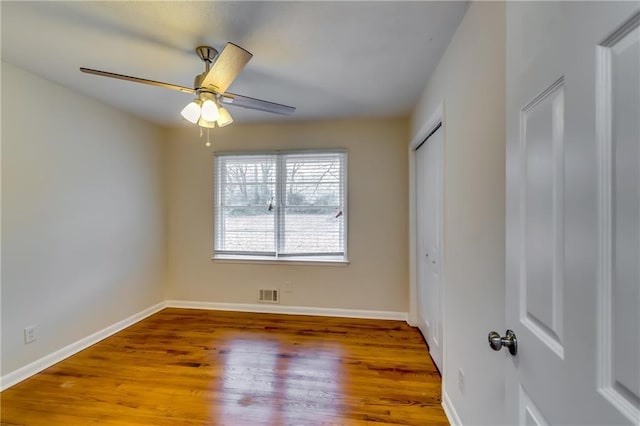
(509, 341)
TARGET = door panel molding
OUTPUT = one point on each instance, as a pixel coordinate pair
(541, 297)
(529, 414)
(618, 377)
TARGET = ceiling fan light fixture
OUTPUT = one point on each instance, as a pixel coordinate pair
(192, 111)
(224, 118)
(209, 110)
(206, 123)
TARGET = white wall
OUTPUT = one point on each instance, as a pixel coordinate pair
(376, 278)
(83, 216)
(470, 79)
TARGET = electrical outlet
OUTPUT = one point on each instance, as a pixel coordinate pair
(30, 333)
(461, 380)
(288, 287)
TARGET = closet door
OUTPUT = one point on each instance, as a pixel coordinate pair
(429, 225)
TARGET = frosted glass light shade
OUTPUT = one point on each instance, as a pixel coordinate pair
(192, 112)
(205, 123)
(209, 110)
(224, 118)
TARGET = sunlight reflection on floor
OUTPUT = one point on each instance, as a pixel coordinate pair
(304, 384)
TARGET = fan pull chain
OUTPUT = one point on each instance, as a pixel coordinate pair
(208, 141)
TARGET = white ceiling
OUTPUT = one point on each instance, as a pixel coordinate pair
(328, 59)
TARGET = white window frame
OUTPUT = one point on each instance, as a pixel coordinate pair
(311, 259)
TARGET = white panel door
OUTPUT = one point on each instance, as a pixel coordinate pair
(429, 220)
(573, 212)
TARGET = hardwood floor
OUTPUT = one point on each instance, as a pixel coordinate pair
(196, 367)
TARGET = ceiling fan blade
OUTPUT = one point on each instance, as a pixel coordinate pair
(226, 68)
(139, 80)
(258, 104)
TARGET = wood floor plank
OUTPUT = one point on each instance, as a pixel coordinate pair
(195, 367)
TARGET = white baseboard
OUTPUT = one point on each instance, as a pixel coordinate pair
(450, 410)
(290, 310)
(22, 373)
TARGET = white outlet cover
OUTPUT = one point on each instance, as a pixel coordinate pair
(30, 333)
(461, 380)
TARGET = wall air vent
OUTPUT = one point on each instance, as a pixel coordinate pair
(269, 296)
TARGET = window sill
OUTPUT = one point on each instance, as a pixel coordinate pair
(298, 261)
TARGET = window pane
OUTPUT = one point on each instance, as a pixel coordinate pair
(245, 203)
(313, 230)
(247, 229)
(248, 182)
(313, 220)
(313, 179)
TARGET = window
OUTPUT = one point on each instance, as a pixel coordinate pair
(281, 205)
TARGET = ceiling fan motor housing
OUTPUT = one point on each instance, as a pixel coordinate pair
(197, 82)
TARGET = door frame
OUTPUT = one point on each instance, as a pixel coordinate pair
(435, 118)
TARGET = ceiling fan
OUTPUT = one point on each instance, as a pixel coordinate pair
(210, 87)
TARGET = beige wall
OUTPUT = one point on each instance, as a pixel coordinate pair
(470, 79)
(83, 216)
(376, 278)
